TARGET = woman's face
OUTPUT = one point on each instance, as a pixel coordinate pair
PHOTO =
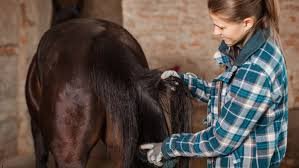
(230, 32)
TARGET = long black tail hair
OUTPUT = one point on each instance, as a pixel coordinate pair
(133, 94)
(169, 99)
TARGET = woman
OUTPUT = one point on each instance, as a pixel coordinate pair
(247, 104)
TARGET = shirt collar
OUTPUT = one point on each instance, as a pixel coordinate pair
(223, 59)
(251, 46)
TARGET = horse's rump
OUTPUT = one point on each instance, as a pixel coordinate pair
(89, 80)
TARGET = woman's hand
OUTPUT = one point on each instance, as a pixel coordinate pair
(154, 153)
(169, 73)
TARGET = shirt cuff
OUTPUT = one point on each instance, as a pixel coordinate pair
(165, 149)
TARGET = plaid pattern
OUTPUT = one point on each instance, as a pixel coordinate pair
(251, 128)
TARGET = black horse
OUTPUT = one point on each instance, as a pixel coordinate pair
(89, 81)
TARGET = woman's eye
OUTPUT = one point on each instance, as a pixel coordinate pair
(219, 27)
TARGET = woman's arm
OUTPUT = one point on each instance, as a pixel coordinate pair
(200, 89)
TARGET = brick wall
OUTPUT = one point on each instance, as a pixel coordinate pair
(22, 23)
(8, 84)
(171, 32)
(290, 39)
(180, 33)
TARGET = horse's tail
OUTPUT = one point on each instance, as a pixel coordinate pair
(111, 77)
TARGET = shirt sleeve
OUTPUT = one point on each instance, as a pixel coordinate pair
(200, 89)
(248, 98)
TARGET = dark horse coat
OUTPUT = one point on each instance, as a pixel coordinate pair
(89, 81)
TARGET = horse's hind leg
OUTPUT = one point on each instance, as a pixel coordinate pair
(41, 150)
(70, 152)
(114, 145)
(76, 131)
(67, 154)
(120, 150)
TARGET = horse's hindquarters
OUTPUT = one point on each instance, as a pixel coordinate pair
(72, 122)
(81, 88)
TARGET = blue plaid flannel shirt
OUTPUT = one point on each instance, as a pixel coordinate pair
(251, 128)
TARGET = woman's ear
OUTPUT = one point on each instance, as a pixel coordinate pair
(248, 23)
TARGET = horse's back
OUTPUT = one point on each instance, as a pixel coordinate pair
(75, 41)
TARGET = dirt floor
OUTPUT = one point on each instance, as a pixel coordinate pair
(98, 160)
